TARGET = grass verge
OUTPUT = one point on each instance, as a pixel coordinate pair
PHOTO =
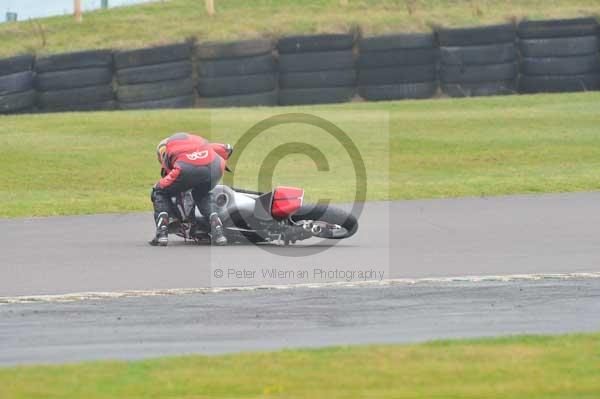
(80, 163)
(175, 20)
(527, 367)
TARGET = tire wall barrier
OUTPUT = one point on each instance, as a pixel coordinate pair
(559, 55)
(318, 69)
(531, 57)
(479, 61)
(397, 67)
(17, 92)
(156, 77)
(75, 81)
(236, 74)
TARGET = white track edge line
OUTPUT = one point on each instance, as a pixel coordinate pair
(81, 296)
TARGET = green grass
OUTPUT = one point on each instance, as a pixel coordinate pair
(174, 20)
(529, 367)
(56, 164)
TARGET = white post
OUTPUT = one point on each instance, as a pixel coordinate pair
(210, 7)
(77, 8)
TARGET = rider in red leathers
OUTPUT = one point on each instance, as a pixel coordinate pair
(188, 162)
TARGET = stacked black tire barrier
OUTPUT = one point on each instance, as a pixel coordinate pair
(316, 69)
(535, 57)
(396, 67)
(80, 81)
(156, 77)
(559, 55)
(17, 93)
(237, 74)
(480, 61)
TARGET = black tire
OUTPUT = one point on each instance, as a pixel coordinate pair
(17, 102)
(155, 91)
(557, 28)
(329, 214)
(307, 80)
(559, 84)
(400, 91)
(20, 63)
(406, 74)
(559, 47)
(172, 102)
(398, 41)
(245, 100)
(479, 55)
(69, 97)
(477, 36)
(234, 85)
(237, 66)
(243, 48)
(155, 73)
(480, 89)
(381, 59)
(16, 83)
(317, 61)
(478, 73)
(101, 106)
(81, 59)
(561, 65)
(152, 55)
(73, 78)
(329, 95)
(319, 43)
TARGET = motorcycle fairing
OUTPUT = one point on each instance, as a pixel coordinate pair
(286, 201)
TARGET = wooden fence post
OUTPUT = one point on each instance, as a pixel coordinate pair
(210, 7)
(77, 9)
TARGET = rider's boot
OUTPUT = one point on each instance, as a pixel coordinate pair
(162, 230)
(216, 228)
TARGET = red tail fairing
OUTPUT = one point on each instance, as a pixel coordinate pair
(286, 201)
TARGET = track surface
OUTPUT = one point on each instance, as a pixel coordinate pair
(407, 239)
(302, 317)
(411, 239)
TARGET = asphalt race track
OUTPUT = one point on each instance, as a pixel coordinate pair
(406, 239)
(50, 259)
(134, 328)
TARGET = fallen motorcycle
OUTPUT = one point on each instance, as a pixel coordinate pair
(277, 217)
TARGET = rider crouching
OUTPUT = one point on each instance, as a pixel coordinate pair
(188, 162)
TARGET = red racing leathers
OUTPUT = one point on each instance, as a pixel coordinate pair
(189, 162)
